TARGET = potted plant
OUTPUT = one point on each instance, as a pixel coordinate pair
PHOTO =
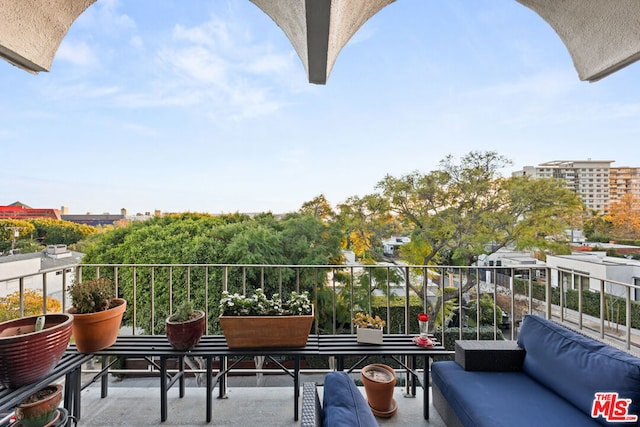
(41, 408)
(97, 314)
(368, 329)
(30, 347)
(379, 382)
(185, 327)
(260, 322)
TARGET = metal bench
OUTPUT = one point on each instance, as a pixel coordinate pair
(156, 351)
(70, 367)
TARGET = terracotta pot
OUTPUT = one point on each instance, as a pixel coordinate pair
(27, 356)
(266, 331)
(379, 383)
(184, 335)
(38, 412)
(97, 331)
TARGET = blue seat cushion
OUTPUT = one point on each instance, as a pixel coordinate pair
(494, 399)
(576, 366)
(343, 404)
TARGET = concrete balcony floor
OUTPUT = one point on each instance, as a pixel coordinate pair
(136, 402)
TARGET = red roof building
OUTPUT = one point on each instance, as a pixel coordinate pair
(20, 211)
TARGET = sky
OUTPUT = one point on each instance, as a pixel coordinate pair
(204, 106)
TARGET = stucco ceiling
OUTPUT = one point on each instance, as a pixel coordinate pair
(602, 36)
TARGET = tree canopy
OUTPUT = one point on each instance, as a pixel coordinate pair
(296, 239)
(461, 210)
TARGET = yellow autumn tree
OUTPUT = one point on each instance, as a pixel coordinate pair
(10, 305)
(624, 215)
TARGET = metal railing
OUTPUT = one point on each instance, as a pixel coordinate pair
(395, 292)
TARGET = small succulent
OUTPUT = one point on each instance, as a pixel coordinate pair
(183, 312)
(363, 320)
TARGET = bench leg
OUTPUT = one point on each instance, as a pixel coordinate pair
(72, 390)
(163, 389)
(425, 388)
(209, 361)
(181, 367)
(104, 380)
(296, 386)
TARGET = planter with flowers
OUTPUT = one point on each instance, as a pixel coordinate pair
(368, 329)
(259, 322)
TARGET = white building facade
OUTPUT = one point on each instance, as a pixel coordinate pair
(589, 270)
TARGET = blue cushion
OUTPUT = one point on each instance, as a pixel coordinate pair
(494, 399)
(575, 366)
(343, 404)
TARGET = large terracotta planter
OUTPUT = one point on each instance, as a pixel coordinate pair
(96, 331)
(184, 335)
(38, 412)
(266, 331)
(27, 356)
(379, 383)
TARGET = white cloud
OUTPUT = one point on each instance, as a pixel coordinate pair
(78, 53)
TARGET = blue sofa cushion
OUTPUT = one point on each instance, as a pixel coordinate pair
(575, 366)
(343, 404)
(507, 399)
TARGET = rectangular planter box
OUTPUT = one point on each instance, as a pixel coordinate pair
(266, 331)
(369, 335)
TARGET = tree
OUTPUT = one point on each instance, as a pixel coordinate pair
(319, 207)
(58, 232)
(624, 216)
(466, 208)
(33, 303)
(365, 221)
(597, 227)
(207, 239)
(8, 230)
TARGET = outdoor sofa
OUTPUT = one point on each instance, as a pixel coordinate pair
(550, 378)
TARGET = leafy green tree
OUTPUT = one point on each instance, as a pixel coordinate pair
(296, 239)
(466, 208)
(365, 221)
(7, 229)
(319, 207)
(597, 227)
(487, 307)
(58, 232)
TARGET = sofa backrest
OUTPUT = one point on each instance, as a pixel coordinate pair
(343, 404)
(575, 366)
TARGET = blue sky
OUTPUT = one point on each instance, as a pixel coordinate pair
(204, 106)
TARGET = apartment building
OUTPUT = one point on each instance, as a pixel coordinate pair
(624, 180)
(590, 179)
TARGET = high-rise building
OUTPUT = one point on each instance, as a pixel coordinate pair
(589, 179)
(624, 180)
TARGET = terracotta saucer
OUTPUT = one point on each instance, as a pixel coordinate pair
(386, 414)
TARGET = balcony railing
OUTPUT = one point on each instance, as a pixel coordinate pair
(600, 307)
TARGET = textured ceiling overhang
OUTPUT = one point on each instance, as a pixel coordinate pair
(32, 30)
(602, 36)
